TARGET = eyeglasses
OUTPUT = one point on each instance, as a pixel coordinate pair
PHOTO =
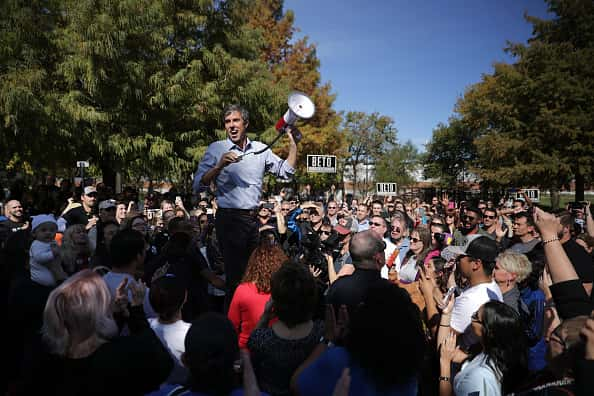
(415, 240)
(371, 223)
(395, 228)
(284, 210)
(475, 318)
(332, 207)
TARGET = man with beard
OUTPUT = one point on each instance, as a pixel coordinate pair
(237, 169)
(15, 219)
(470, 225)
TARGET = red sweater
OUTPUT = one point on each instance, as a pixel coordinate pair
(245, 310)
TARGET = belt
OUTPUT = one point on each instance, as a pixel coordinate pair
(243, 212)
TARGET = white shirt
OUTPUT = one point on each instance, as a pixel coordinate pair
(468, 303)
(477, 379)
(172, 335)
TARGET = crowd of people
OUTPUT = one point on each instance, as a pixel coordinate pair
(292, 295)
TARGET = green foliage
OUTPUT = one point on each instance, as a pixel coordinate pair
(450, 152)
(137, 86)
(398, 165)
(369, 138)
(532, 122)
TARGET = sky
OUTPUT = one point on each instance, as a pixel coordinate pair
(410, 60)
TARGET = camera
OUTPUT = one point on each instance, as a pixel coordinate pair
(268, 206)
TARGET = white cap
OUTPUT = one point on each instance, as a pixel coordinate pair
(89, 190)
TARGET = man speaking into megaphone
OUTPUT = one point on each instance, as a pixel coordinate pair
(238, 179)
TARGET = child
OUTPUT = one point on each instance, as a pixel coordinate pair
(45, 261)
(167, 296)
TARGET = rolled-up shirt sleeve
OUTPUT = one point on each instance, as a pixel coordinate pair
(208, 162)
(278, 166)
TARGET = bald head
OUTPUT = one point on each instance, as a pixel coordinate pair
(14, 211)
(366, 250)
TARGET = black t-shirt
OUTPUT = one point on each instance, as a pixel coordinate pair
(350, 290)
(581, 260)
(77, 215)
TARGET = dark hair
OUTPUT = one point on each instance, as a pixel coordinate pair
(526, 215)
(245, 115)
(504, 344)
(475, 210)
(399, 336)
(294, 293)
(125, 246)
(167, 295)
(211, 348)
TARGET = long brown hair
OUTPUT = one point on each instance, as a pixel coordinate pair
(264, 261)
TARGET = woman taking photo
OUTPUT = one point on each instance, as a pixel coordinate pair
(502, 363)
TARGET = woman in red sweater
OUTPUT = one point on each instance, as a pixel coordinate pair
(253, 292)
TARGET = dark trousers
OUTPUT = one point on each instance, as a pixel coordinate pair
(237, 233)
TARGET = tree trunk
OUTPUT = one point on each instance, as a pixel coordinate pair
(109, 175)
(579, 186)
(555, 198)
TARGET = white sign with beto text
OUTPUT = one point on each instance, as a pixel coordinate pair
(321, 163)
(385, 188)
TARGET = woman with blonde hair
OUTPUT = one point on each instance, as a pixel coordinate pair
(253, 292)
(87, 356)
(511, 269)
(76, 249)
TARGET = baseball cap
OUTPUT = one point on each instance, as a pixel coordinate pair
(108, 203)
(477, 246)
(89, 190)
(40, 219)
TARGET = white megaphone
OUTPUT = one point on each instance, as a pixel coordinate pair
(300, 107)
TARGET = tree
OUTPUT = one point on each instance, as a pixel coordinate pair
(398, 164)
(450, 152)
(295, 65)
(368, 137)
(137, 86)
(533, 121)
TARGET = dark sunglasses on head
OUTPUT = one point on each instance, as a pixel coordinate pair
(475, 318)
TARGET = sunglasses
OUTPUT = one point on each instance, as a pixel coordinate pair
(395, 228)
(415, 240)
(326, 232)
(471, 218)
(475, 318)
(285, 210)
(491, 217)
(332, 207)
(376, 224)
